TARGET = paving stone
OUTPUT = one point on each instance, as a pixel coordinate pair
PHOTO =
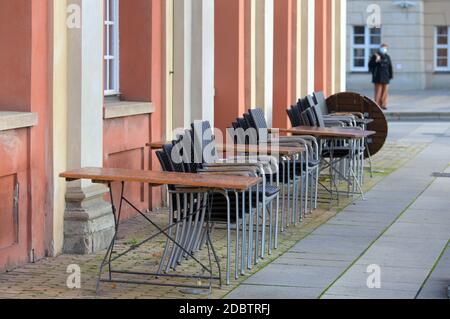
(366, 293)
(435, 289)
(273, 292)
(294, 276)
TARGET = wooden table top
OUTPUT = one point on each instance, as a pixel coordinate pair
(156, 178)
(241, 148)
(336, 132)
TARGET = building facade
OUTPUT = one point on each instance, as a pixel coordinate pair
(91, 82)
(417, 32)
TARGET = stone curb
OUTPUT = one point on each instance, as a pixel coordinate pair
(417, 116)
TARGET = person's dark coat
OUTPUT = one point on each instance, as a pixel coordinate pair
(382, 71)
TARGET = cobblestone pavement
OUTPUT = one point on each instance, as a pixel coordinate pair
(47, 278)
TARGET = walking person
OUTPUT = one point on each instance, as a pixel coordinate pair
(380, 66)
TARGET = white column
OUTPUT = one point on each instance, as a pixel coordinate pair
(85, 207)
(182, 47)
(305, 47)
(264, 44)
(193, 90)
(202, 77)
(85, 91)
(339, 45)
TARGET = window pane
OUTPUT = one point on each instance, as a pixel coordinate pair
(442, 30)
(359, 30)
(359, 53)
(375, 39)
(106, 78)
(375, 31)
(359, 39)
(442, 62)
(442, 39)
(359, 63)
(111, 10)
(112, 40)
(442, 53)
(111, 33)
(373, 51)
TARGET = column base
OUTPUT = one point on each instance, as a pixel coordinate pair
(88, 220)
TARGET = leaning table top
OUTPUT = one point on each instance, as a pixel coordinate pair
(331, 132)
(156, 178)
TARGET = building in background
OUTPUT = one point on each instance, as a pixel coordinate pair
(417, 32)
(89, 83)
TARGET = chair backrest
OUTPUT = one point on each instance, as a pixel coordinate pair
(169, 163)
(309, 117)
(309, 101)
(202, 137)
(317, 111)
(251, 132)
(305, 118)
(320, 100)
(166, 164)
(301, 105)
(250, 123)
(294, 117)
(242, 123)
(258, 118)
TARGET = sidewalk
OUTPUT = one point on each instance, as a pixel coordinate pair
(431, 105)
(403, 227)
(313, 256)
(47, 278)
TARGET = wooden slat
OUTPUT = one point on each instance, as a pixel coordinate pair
(157, 145)
(330, 132)
(155, 178)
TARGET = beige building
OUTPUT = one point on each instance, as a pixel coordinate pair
(417, 32)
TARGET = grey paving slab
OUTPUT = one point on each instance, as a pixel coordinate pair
(352, 237)
(406, 253)
(366, 293)
(273, 292)
(426, 216)
(294, 276)
(349, 232)
(436, 287)
(357, 277)
(415, 230)
(295, 259)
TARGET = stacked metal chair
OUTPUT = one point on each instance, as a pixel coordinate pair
(212, 208)
(295, 171)
(344, 158)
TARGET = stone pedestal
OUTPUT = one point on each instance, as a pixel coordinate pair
(88, 220)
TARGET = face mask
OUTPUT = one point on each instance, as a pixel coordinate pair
(383, 50)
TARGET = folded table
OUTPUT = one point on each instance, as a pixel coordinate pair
(225, 183)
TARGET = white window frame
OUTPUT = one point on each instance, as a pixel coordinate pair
(367, 46)
(438, 46)
(111, 82)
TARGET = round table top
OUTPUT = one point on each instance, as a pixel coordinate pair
(354, 102)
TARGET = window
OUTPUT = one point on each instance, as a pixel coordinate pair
(442, 49)
(111, 47)
(366, 41)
